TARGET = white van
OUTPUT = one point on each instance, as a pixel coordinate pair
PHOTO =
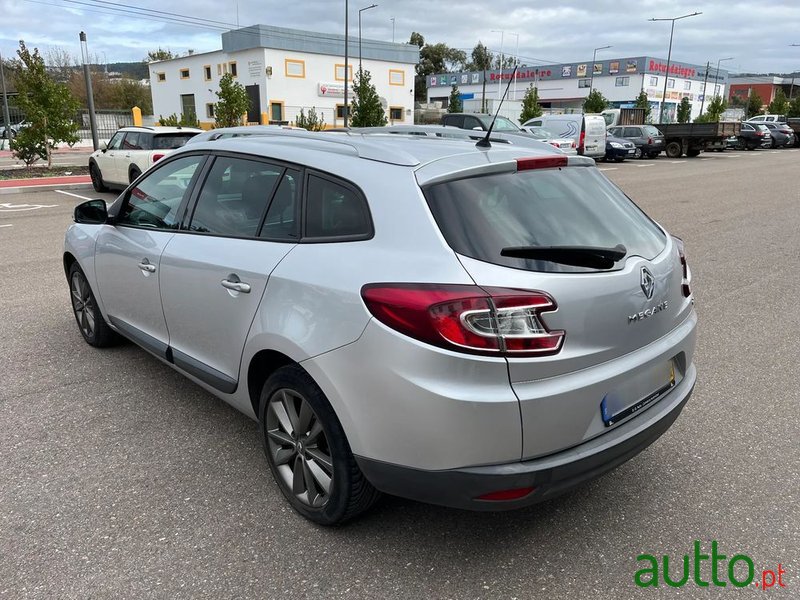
(588, 131)
(767, 119)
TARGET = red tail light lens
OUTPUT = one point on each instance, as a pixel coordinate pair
(687, 274)
(466, 318)
(650, 141)
(157, 157)
(581, 142)
(506, 495)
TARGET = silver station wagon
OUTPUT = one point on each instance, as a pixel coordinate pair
(481, 328)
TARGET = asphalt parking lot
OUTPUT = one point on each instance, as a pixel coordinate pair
(120, 478)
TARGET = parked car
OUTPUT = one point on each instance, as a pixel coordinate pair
(475, 327)
(782, 135)
(480, 122)
(618, 149)
(649, 141)
(588, 131)
(566, 145)
(754, 135)
(13, 127)
(767, 119)
(133, 150)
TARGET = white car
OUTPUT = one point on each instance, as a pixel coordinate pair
(132, 151)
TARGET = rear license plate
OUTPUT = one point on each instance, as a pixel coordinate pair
(638, 392)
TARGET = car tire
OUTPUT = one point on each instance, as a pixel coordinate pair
(638, 153)
(97, 178)
(312, 464)
(134, 174)
(91, 323)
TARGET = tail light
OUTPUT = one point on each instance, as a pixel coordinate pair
(650, 141)
(687, 274)
(581, 142)
(541, 162)
(157, 157)
(506, 495)
(467, 318)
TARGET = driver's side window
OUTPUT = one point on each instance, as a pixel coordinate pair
(116, 142)
(155, 200)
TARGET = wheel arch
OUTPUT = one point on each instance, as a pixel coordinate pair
(69, 260)
(263, 364)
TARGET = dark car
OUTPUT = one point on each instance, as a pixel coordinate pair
(618, 149)
(782, 134)
(649, 141)
(752, 136)
(481, 122)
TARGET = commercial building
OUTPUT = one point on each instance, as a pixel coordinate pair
(284, 70)
(764, 85)
(564, 87)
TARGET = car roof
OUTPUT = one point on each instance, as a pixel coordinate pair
(160, 129)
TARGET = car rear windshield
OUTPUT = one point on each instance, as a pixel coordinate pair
(171, 141)
(573, 206)
(650, 130)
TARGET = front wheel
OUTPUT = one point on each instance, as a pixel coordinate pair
(91, 324)
(133, 175)
(307, 450)
(637, 153)
(97, 178)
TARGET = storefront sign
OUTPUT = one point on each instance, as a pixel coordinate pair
(331, 90)
(255, 68)
(677, 70)
(613, 68)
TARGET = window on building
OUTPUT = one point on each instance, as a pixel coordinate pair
(276, 111)
(622, 81)
(340, 111)
(184, 73)
(187, 107)
(653, 81)
(207, 72)
(687, 85)
(584, 83)
(339, 74)
(161, 77)
(335, 210)
(219, 69)
(670, 83)
(210, 110)
(295, 68)
(232, 68)
(396, 113)
(397, 77)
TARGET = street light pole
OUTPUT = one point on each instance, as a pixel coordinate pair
(89, 95)
(346, 43)
(716, 75)
(6, 118)
(500, 79)
(669, 58)
(594, 57)
(516, 62)
(360, 10)
(392, 20)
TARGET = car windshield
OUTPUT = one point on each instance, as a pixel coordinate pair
(171, 141)
(573, 206)
(503, 124)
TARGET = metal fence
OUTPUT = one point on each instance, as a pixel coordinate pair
(108, 121)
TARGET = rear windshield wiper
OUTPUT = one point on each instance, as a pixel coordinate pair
(592, 257)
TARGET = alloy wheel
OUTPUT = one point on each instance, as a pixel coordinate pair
(83, 304)
(299, 448)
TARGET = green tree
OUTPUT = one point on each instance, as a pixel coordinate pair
(233, 102)
(48, 107)
(433, 58)
(595, 102)
(713, 113)
(643, 102)
(779, 104)
(684, 111)
(530, 104)
(794, 108)
(366, 109)
(311, 121)
(174, 120)
(159, 54)
(481, 61)
(127, 93)
(454, 104)
(754, 104)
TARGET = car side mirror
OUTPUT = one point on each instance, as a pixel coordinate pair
(91, 212)
(477, 129)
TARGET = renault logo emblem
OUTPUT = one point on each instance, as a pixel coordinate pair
(648, 283)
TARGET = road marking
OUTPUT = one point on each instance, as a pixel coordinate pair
(8, 207)
(643, 166)
(677, 162)
(73, 195)
(9, 225)
(609, 169)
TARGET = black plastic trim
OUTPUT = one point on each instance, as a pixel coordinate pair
(136, 335)
(203, 372)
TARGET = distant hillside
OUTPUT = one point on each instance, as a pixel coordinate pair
(135, 70)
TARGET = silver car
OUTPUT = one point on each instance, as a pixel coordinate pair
(481, 328)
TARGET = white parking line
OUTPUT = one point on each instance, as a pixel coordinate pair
(9, 225)
(677, 162)
(609, 169)
(643, 166)
(73, 195)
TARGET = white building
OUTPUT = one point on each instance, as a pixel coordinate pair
(564, 87)
(283, 71)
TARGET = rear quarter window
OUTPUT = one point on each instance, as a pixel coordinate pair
(573, 206)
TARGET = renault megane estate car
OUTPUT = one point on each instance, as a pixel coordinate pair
(481, 328)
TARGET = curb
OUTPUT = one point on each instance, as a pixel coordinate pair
(45, 188)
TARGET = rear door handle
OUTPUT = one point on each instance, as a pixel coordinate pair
(147, 267)
(236, 286)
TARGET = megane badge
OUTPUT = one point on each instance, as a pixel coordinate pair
(648, 283)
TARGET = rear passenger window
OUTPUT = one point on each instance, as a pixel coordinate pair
(632, 132)
(234, 197)
(335, 210)
(131, 142)
(281, 221)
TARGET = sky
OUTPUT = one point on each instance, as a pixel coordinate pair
(757, 36)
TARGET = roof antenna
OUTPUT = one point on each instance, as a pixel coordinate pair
(484, 143)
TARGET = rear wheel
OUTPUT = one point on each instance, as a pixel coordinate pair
(307, 450)
(674, 150)
(97, 178)
(90, 320)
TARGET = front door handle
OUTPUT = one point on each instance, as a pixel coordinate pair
(147, 267)
(236, 286)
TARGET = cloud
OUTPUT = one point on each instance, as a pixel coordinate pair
(758, 37)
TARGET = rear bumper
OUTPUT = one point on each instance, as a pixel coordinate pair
(550, 476)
